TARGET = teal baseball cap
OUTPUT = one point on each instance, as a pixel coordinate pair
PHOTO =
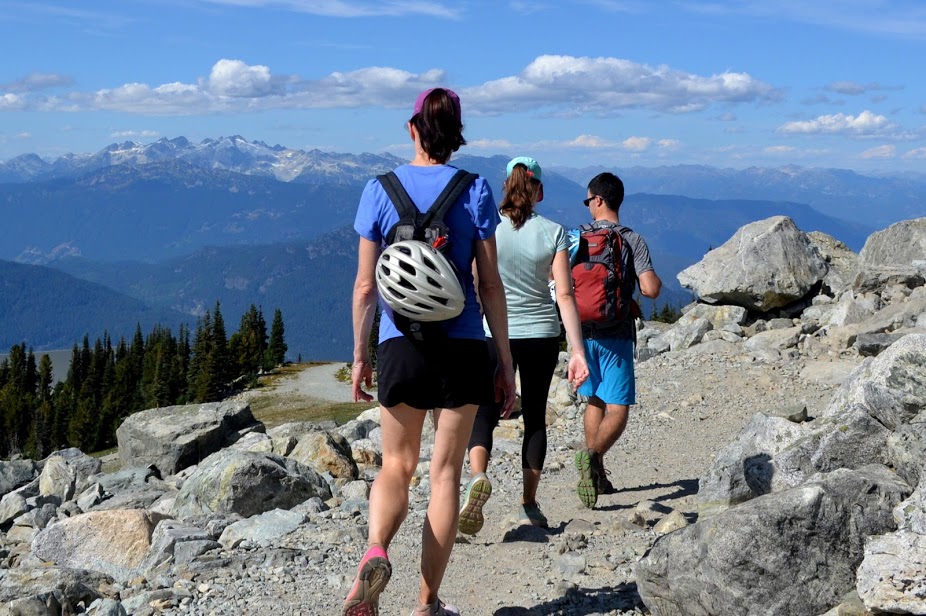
(533, 167)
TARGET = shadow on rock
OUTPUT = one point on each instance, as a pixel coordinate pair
(581, 602)
(532, 534)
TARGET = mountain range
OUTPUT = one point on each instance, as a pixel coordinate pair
(176, 226)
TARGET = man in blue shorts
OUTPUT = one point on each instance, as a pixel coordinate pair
(610, 386)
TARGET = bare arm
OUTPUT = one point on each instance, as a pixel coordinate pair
(577, 370)
(492, 298)
(650, 284)
(364, 309)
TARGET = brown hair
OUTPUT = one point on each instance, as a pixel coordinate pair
(438, 124)
(521, 192)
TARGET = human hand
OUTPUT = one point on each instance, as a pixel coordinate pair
(576, 370)
(505, 390)
(362, 373)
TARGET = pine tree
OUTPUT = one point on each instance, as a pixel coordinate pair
(276, 349)
(221, 360)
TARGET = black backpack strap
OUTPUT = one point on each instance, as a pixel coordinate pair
(398, 195)
(459, 183)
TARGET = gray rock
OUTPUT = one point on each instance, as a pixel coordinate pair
(892, 576)
(247, 483)
(889, 256)
(106, 607)
(871, 345)
(326, 452)
(841, 261)
(12, 506)
(16, 473)
(743, 469)
(793, 552)
(262, 529)
(166, 540)
(175, 437)
(70, 586)
(765, 265)
(110, 542)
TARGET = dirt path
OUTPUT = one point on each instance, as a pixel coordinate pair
(317, 382)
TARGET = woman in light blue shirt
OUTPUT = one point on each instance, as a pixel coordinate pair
(529, 248)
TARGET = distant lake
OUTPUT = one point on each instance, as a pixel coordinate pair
(60, 362)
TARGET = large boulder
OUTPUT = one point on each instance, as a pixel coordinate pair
(765, 265)
(247, 483)
(841, 261)
(175, 437)
(16, 473)
(878, 416)
(68, 586)
(325, 452)
(66, 473)
(792, 552)
(110, 542)
(896, 255)
(742, 471)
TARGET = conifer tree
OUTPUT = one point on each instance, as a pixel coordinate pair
(276, 349)
(221, 359)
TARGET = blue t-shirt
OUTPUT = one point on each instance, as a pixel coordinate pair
(474, 217)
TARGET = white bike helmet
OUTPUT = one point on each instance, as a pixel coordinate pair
(418, 282)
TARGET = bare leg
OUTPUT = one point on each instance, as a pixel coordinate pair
(478, 460)
(452, 432)
(531, 481)
(401, 426)
(594, 414)
(604, 424)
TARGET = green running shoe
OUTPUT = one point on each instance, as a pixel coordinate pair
(589, 478)
(478, 491)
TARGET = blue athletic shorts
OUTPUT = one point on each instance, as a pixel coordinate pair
(610, 370)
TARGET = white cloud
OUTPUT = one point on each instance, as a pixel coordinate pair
(882, 151)
(351, 8)
(489, 144)
(918, 153)
(589, 141)
(235, 78)
(636, 144)
(12, 102)
(550, 85)
(34, 82)
(133, 134)
(605, 86)
(669, 144)
(24, 135)
(850, 87)
(779, 149)
(864, 124)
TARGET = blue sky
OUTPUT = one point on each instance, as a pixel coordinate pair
(821, 83)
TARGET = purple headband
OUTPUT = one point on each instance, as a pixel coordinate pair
(419, 102)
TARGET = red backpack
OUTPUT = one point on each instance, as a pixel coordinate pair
(604, 278)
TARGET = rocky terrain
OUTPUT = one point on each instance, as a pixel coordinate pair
(773, 465)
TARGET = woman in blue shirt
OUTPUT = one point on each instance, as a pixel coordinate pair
(452, 377)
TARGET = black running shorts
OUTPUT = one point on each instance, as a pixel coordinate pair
(446, 374)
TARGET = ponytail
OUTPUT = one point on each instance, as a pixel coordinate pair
(520, 194)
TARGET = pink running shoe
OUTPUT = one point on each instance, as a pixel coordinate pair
(438, 608)
(372, 576)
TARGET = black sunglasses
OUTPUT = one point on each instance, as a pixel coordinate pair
(589, 200)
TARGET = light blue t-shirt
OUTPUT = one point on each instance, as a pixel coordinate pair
(474, 217)
(525, 257)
